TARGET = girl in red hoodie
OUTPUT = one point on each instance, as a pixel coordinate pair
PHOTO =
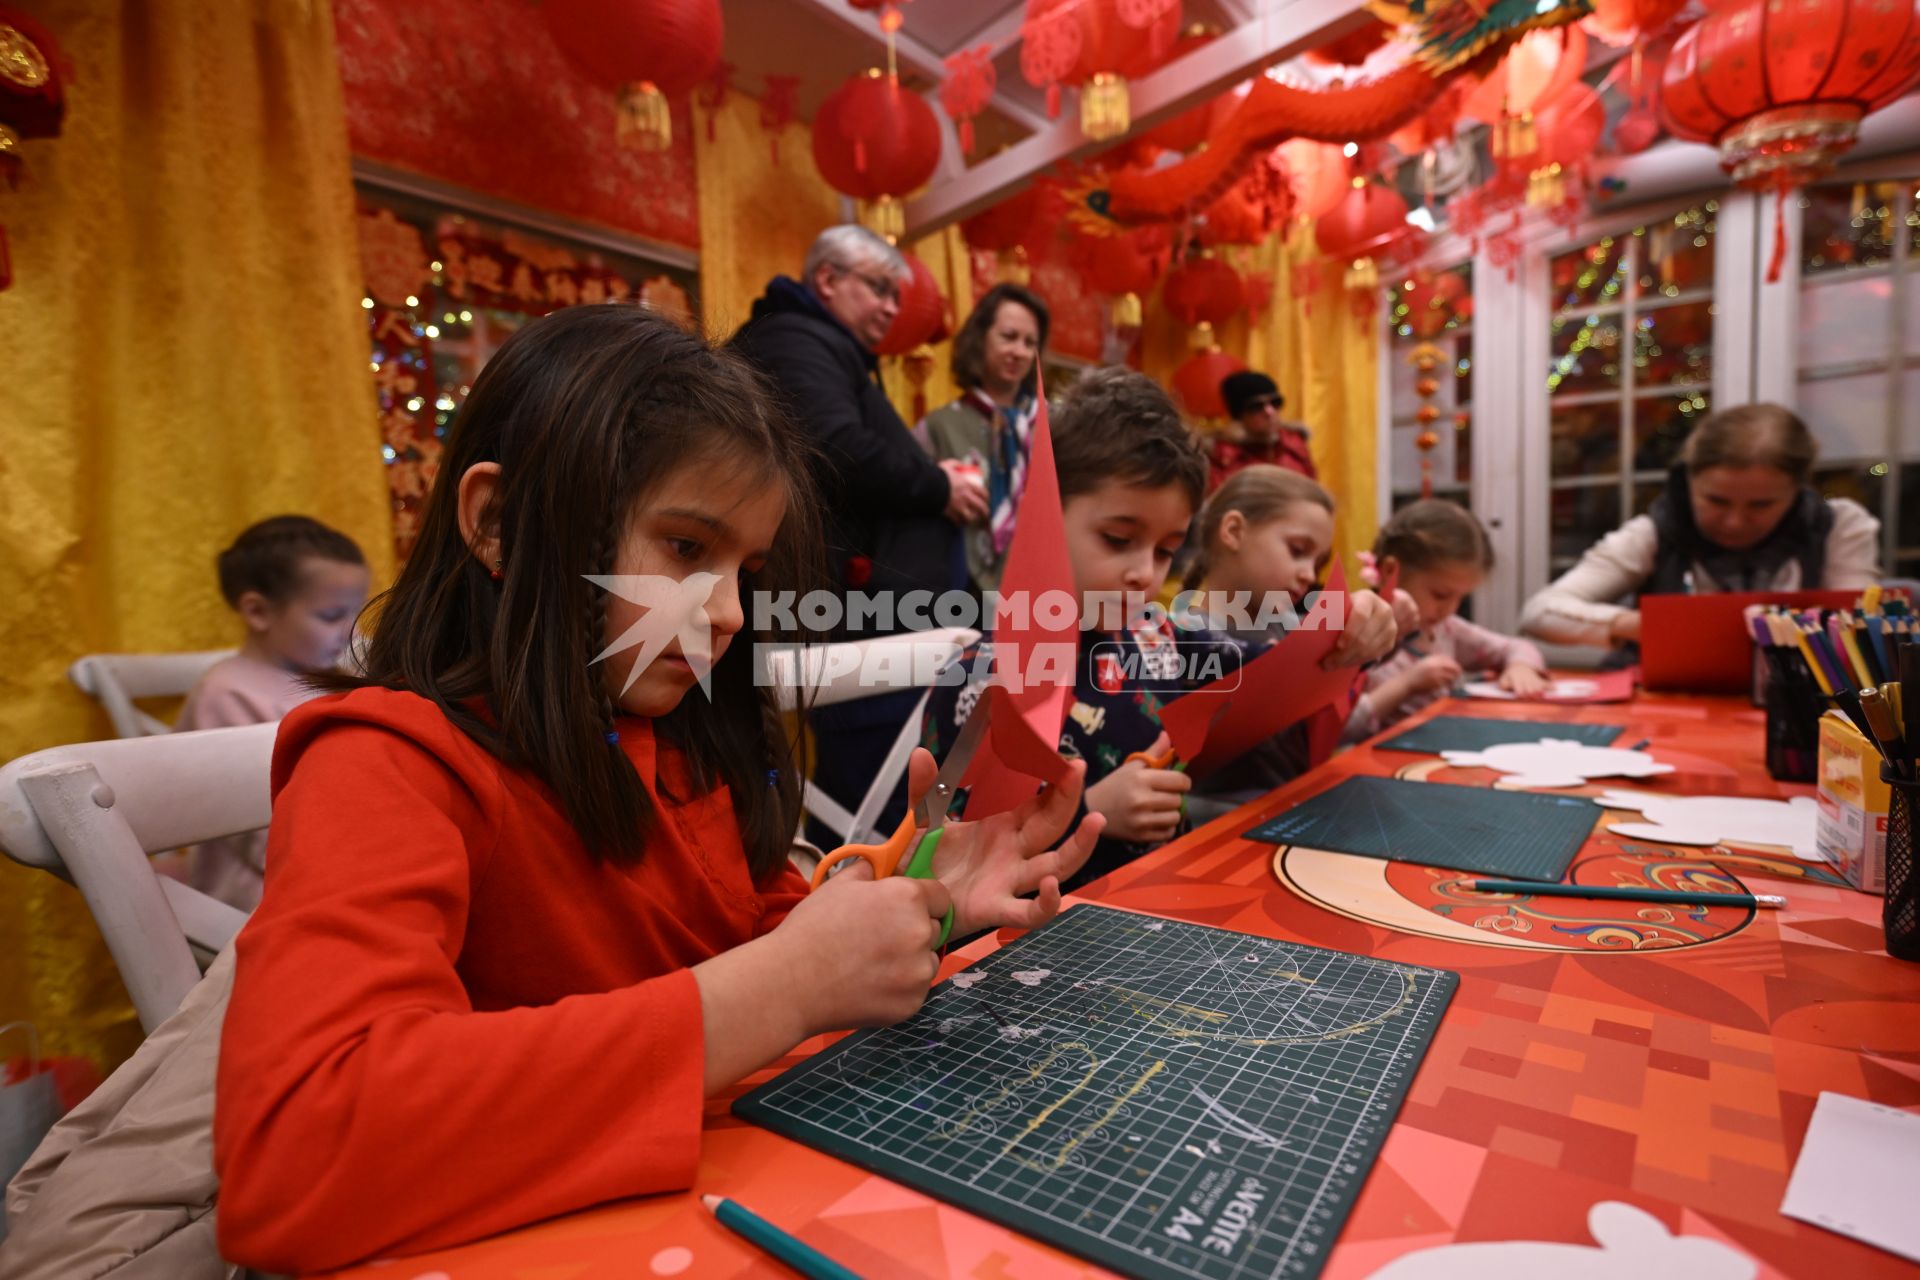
(527, 897)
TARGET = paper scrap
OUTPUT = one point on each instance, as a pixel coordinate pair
(1856, 1174)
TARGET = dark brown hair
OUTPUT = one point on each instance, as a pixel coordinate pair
(1433, 532)
(1259, 493)
(270, 557)
(970, 344)
(587, 411)
(1752, 435)
(1116, 424)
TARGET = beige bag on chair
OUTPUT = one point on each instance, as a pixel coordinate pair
(123, 1187)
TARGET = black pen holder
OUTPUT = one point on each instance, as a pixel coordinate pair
(1902, 908)
(1793, 729)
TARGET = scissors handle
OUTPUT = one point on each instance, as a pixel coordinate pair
(884, 857)
(886, 860)
(1165, 760)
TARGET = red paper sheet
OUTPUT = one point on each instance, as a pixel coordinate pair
(1023, 740)
(1608, 686)
(1278, 689)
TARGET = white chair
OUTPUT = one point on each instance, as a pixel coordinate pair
(115, 680)
(831, 673)
(92, 812)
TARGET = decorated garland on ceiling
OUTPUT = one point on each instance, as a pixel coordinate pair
(1455, 37)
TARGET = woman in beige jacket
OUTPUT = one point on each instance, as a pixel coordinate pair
(1738, 514)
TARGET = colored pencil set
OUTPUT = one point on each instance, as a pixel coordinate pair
(1857, 660)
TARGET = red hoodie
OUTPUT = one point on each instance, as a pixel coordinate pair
(448, 1019)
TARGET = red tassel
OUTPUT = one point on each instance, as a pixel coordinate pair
(1053, 101)
(1779, 236)
(966, 136)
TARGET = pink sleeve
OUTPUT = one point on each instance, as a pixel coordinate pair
(1476, 649)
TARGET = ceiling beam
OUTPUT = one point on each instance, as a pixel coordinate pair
(920, 58)
(1282, 29)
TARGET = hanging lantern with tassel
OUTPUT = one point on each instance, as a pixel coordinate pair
(1197, 380)
(876, 142)
(645, 50)
(1781, 89)
(971, 80)
(1098, 45)
(1204, 292)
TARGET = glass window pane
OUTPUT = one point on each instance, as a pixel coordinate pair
(1406, 456)
(1585, 354)
(1595, 274)
(1846, 225)
(1586, 440)
(1674, 345)
(1581, 517)
(1848, 416)
(1677, 253)
(1848, 319)
(1660, 427)
(1462, 434)
(1856, 482)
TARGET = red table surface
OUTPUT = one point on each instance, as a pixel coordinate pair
(1664, 1057)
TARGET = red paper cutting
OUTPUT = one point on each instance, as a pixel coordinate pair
(1028, 646)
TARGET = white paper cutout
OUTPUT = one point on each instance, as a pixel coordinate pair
(1557, 762)
(1632, 1242)
(1555, 689)
(1702, 820)
(1856, 1172)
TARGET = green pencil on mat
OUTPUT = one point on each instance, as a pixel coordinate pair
(796, 1253)
(1691, 897)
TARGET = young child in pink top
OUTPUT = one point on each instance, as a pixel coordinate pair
(297, 586)
(1442, 553)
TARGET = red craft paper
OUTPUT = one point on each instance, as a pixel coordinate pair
(1024, 736)
(1278, 689)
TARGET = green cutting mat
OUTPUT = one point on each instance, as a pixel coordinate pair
(1514, 835)
(1164, 1099)
(1477, 733)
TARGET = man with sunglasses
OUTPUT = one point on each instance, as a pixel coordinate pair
(1261, 434)
(893, 514)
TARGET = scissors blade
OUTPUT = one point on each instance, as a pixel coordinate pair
(954, 767)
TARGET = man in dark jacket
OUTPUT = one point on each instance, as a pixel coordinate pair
(892, 513)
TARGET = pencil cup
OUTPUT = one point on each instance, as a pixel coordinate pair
(1902, 909)
(1793, 732)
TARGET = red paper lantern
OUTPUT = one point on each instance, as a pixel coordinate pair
(647, 49)
(1537, 69)
(1569, 127)
(874, 141)
(1431, 301)
(968, 88)
(1075, 41)
(920, 311)
(1781, 89)
(1203, 290)
(1316, 176)
(1197, 382)
(1363, 224)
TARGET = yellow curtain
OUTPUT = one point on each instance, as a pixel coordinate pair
(1325, 359)
(757, 218)
(945, 253)
(185, 354)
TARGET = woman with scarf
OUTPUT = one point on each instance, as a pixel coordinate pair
(996, 358)
(1739, 514)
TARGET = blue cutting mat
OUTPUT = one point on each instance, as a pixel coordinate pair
(1171, 1101)
(1511, 835)
(1477, 733)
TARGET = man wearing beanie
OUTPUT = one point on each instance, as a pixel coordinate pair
(1253, 401)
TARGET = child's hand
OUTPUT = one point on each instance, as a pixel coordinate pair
(1523, 680)
(1371, 631)
(866, 948)
(1435, 671)
(993, 864)
(1141, 805)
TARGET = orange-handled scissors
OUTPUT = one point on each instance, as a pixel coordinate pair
(930, 814)
(1168, 759)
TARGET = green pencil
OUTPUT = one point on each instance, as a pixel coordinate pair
(798, 1254)
(1691, 897)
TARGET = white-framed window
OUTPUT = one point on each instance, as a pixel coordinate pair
(1858, 352)
(1629, 370)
